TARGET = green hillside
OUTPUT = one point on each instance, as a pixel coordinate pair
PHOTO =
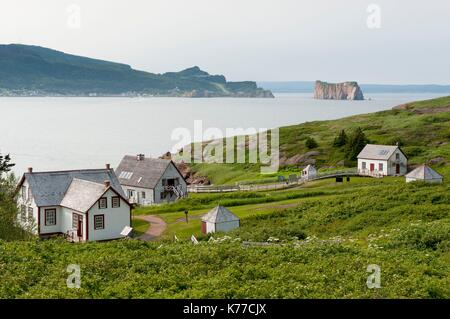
(32, 70)
(422, 129)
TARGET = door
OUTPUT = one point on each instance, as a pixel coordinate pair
(203, 227)
(397, 169)
(80, 227)
(372, 167)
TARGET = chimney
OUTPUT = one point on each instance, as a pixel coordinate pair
(140, 157)
(108, 166)
(107, 184)
(30, 169)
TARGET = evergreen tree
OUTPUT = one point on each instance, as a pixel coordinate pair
(5, 165)
(356, 142)
(341, 139)
(311, 143)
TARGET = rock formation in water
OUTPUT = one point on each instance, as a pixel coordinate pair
(338, 91)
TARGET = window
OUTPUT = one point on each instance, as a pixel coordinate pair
(30, 214)
(130, 193)
(50, 217)
(143, 195)
(24, 192)
(23, 213)
(380, 167)
(397, 156)
(103, 203)
(75, 218)
(115, 201)
(99, 221)
(363, 165)
(29, 193)
(125, 175)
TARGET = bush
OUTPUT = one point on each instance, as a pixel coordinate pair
(311, 143)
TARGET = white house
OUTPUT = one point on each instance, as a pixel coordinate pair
(148, 181)
(219, 219)
(382, 160)
(309, 172)
(424, 173)
(84, 205)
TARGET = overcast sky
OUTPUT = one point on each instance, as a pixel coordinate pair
(247, 39)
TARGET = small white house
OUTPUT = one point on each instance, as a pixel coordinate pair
(84, 205)
(382, 160)
(147, 181)
(219, 219)
(425, 174)
(309, 172)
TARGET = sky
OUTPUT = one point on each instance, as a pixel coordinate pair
(378, 41)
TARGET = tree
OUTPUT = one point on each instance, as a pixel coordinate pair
(356, 142)
(311, 143)
(341, 139)
(5, 165)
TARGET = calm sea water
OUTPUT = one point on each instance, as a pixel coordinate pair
(69, 133)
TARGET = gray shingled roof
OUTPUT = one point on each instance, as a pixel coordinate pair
(49, 188)
(377, 152)
(423, 172)
(143, 173)
(219, 214)
(82, 194)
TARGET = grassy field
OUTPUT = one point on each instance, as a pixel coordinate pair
(422, 129)
(318, 246)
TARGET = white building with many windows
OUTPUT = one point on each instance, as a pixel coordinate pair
(148, 181)
(382, 160)
(83, 205)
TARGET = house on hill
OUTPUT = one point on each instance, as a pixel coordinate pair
(219, 219)
(147, 181)
(309, 172)
(84, 205)
(424, 173)
(382, 160)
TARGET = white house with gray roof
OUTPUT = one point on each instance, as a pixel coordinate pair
(147, 181)
(382, 160)
(83, 205)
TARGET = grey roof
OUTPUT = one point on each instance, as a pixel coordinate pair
(82, 194)
(424, 172)
(219, 214)
(49, 188)
(144, 173)
(377, 152)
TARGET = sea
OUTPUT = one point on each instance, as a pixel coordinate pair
(59, 133)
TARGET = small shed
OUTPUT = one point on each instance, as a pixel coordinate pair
(309, 172)
(424, 173)
(219, 219)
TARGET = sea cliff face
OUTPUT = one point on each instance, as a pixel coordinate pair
(338, 91)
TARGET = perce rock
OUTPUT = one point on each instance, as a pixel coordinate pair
(338, 91)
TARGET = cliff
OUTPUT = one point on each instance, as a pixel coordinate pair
(338, 91)
(36, 71)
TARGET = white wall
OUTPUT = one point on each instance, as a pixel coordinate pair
(226, 226)
(54, 228)
(171, 172)
(29, 203)
(138, 198)
(115, 219)
(376, 163)
(431, 181)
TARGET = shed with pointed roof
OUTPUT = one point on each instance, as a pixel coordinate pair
(219, 219)
(424, 173)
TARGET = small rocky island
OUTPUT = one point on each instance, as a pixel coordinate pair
(338, 91)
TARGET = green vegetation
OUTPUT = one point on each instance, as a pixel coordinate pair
(421, 128)
(139, 227)
(311, 143)
(33, 70)
(318, 246)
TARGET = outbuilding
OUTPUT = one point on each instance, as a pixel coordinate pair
(309, 172)
(219, 219)
(424, 173)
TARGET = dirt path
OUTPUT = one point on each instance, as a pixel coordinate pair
(156, 229)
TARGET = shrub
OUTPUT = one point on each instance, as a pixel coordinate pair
(311, 143)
